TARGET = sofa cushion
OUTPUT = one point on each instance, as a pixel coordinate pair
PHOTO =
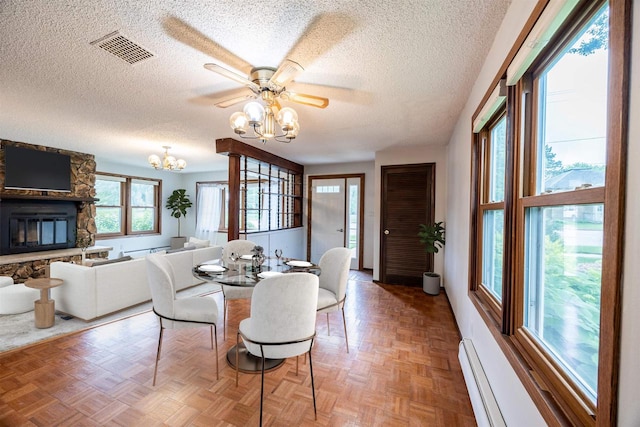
(110, 261)
(186, 248)
(197, 243)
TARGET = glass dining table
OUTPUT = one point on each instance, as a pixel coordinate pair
(243, 273)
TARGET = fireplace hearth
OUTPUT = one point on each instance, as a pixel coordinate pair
(36, 225)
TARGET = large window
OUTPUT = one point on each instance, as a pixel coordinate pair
(126, 205)
(541, 180)
(270, 197)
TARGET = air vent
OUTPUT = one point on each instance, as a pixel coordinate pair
(122, 47)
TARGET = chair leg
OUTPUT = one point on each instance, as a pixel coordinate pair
(155, 371)
(262, 388)
(297, 366)
(328, 330)
(237, 356)
(313, 387)
(344, 322)
(224, 320)
(216, 341)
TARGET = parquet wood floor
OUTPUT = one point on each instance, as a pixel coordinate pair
(402, 370)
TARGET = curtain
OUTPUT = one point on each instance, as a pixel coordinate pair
(209, 206)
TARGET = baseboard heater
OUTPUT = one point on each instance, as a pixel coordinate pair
(485, 406)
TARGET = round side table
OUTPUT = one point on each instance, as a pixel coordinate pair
(44, 308)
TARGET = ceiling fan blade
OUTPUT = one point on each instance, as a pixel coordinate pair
(234, 97)
(286, 72)
(185, 33)
(233, 76)
(302, 98)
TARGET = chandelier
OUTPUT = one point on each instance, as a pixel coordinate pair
(262, 120)
(168, 162)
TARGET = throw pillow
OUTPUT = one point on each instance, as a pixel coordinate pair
(199, 243)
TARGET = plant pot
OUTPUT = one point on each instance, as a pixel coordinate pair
(431, 283)
(178, 242)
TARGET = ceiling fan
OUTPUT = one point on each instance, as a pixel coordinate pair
(268, 83)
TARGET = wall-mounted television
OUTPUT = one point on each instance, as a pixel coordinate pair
(27, 169)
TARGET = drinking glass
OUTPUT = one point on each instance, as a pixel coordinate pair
(278, 255)
(234, 257)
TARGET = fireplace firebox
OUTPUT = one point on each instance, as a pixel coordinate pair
(36, 225)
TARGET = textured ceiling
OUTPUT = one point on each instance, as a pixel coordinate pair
(397, 73)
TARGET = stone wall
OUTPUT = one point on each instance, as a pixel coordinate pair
(83, 180)
(39, 268)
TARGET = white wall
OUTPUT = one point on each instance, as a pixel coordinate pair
(369, 190)
(413, 155)
(512, 398)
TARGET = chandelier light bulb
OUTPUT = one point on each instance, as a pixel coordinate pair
(239, 122)
(295, 129)
(154, 161)
(255, 112)
(286, 118)
(181, 164)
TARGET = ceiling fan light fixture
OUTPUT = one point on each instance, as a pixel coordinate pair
(286, 118)
(255, 112)
(239, 122)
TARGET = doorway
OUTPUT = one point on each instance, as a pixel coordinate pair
(335, 215)
(408, 200)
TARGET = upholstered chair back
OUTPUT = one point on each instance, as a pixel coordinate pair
(161, 283)
(240, 247)
(283, 309)
(334, 265)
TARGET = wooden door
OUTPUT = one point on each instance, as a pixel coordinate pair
(408, 200)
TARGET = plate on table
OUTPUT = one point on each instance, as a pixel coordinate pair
(208, 268)
(246, 257)
(297, 263)
(266, 274)
(211, 261)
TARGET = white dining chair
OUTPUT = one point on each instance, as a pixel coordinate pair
(334, 276)
(282, 322)
(173, 312)
(239, 247)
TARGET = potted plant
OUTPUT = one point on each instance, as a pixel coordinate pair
(432, 237)
(178, 202)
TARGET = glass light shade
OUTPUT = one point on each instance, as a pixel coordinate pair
(154, 161)
(169, 162)
(239, 122)
(181, 164)
(293, 132)
(286, 117)
(255, 112)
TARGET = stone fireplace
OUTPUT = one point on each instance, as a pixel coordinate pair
(34, 221)
(31, 226)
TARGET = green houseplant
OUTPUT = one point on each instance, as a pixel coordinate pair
(432, 237)
(178, 202)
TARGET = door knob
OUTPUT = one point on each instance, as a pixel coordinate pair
(341, 230)
(386, 231)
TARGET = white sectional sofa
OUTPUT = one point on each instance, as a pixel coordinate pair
(91, 292)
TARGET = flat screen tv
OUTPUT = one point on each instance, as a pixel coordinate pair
(27, 169)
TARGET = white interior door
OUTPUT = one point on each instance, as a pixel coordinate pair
(327, 216)
(335, 216)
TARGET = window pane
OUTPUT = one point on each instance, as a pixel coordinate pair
(572, 115)
(492, 247)
(563, 264)
(142, 194)
(142, 219)
(108, 192)
(498, 147)
(108, 220)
